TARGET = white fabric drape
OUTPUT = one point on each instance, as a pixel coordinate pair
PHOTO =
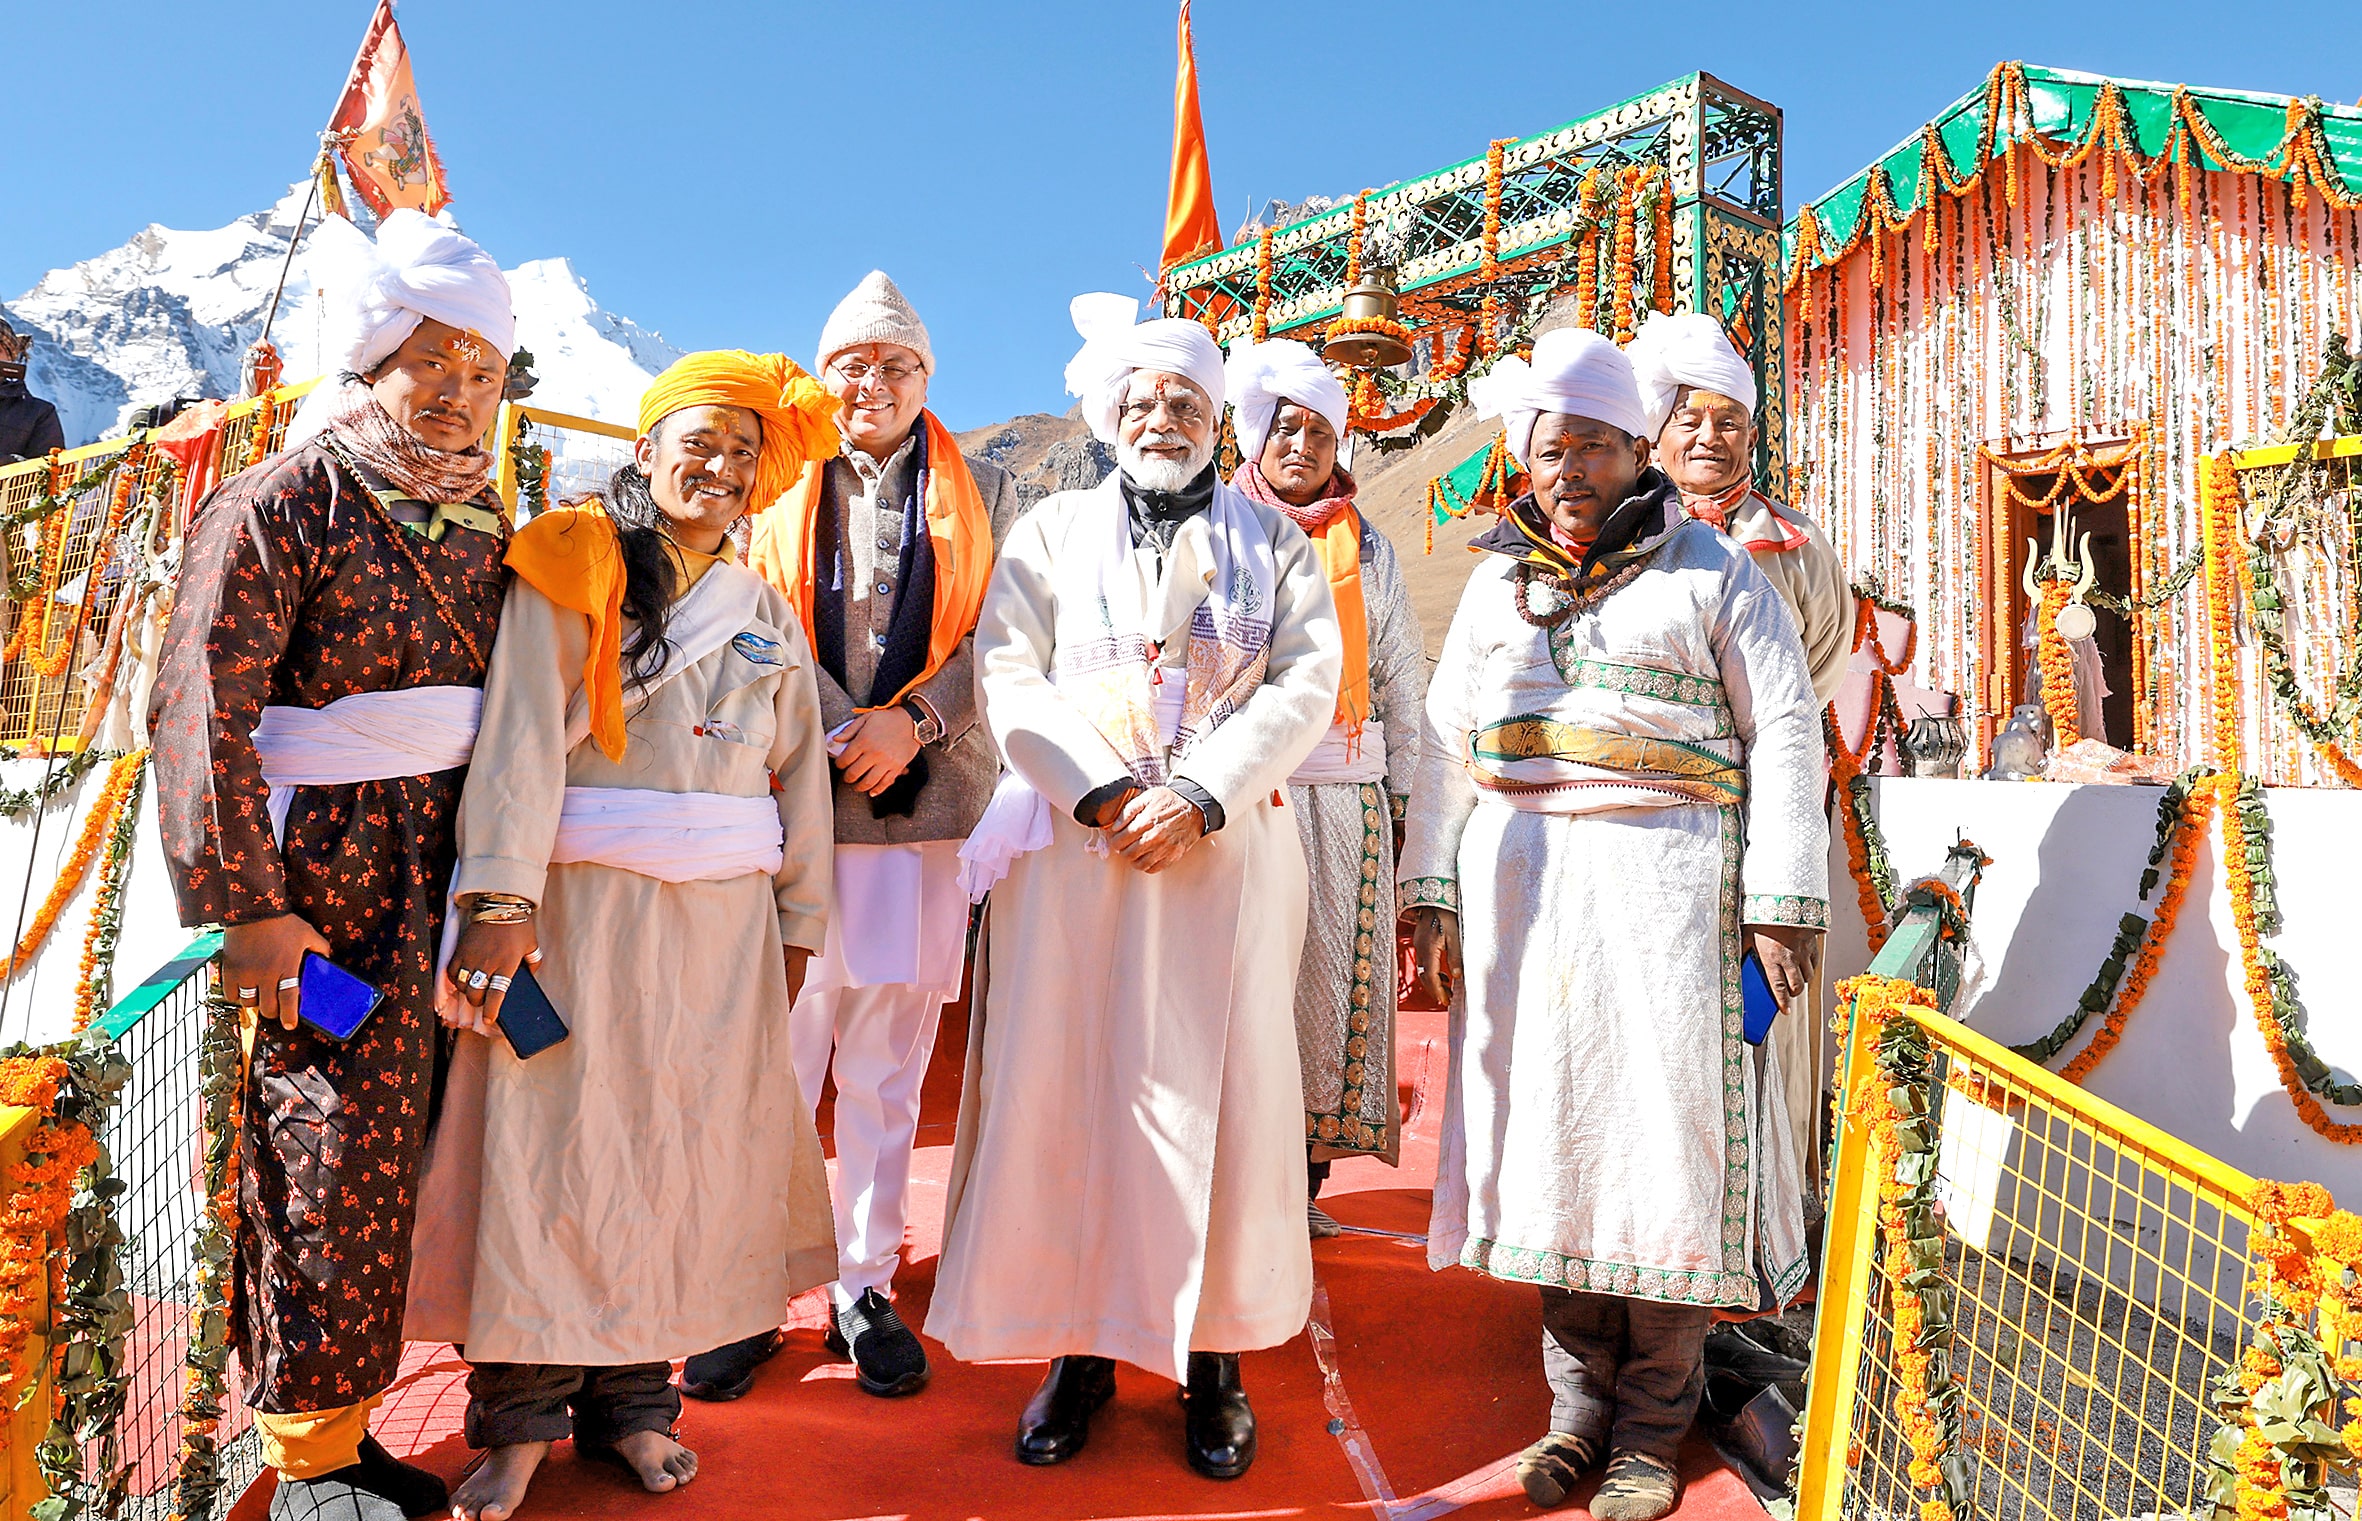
(671, 836)
(367, 737)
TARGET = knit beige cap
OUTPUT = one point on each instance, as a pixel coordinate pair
(874, 313)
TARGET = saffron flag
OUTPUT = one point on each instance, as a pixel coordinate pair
(378, 129)
(1191, 225)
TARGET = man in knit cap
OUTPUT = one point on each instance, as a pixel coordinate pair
(884, 552)
(1157, 656)
(1698, 392)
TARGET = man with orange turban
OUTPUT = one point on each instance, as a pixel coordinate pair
(650, 860)
(883, 549)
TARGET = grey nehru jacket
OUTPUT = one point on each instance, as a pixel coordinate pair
(962, 765)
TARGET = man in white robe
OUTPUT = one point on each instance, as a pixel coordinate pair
(1618, 801)
(1699, 395)
(1155, 657)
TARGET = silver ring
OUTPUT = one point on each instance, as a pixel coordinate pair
(478, 978)
(533, 957)
(501, 984)
(248, 995)
(289, 982)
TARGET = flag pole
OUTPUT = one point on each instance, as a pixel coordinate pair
(288, 263)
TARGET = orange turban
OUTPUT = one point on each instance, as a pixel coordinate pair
(798, 414)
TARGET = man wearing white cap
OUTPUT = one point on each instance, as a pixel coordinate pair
(1156, 656)
(1618, 806)
(1699, 394)
(883, 552)
(317, 704)
(1290, 415)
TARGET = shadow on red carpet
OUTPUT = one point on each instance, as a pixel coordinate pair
(1442, 1371)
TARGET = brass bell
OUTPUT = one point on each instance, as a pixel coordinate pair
(1373, 300)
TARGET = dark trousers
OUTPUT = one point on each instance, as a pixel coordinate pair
(1627, 1370)
(512, 1403)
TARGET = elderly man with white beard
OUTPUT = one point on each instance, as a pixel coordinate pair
(1155, 657)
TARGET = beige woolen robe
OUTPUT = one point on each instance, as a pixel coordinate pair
(1129, 1175)
(651, 1186)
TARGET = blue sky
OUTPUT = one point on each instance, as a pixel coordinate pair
(723, 172)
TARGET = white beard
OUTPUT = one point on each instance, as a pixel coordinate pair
(1155, 473)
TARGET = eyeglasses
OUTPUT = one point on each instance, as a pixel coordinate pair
(1181, 409)
(859, 370)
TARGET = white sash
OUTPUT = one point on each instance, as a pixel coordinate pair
(671, 836)
(367, 737)
(1338, 758)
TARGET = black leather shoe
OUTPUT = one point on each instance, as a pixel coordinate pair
(887, 1357)
(1218, 1427)
(1057, 1420)
(418, 1492)
(727, 1373)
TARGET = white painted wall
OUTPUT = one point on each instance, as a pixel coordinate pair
(2066, 865)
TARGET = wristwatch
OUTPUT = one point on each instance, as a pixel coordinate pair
(924, 724)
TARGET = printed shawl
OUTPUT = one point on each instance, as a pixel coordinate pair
(1334, 526)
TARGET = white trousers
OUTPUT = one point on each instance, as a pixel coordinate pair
(881, 1038)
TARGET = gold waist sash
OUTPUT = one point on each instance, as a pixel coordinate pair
(1661, 762)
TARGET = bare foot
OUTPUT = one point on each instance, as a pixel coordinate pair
(494, 1491)
(662, 1463)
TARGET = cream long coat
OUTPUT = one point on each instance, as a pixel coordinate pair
(652, 1186)
(1129, 1175)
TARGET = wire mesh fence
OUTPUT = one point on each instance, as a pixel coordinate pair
(2097, 1287)
(154, 1139)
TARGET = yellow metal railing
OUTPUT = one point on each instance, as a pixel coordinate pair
(2097, 1269)
(583, 450)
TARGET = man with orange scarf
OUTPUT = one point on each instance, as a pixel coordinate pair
(1290, 415)
(883, 549)
(653, 849)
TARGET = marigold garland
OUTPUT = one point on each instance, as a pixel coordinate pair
(97, 825)
(2218, 522)
(1262, 324)
(1663, 293)
(40, 1192)
(2058, 667)
(1627, 230)
(258, 442)
(1489, 267)
(93, 979)
(1892, 1102)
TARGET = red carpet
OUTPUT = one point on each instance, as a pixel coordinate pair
(1441, 1371)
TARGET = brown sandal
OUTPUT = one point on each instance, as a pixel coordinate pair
(1637, 1488)
(1550, 1469)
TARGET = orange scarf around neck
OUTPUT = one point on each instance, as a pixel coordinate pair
(780, 547)
(1334, 528)
(571, 555)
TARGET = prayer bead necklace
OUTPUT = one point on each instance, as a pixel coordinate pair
(1571, 601)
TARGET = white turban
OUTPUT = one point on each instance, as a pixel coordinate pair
(377, 293)
(1575, 372)
(1115, 346)
(1689, 350)
(1262, 375)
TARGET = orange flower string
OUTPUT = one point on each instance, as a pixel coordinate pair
(2058, 666)
(96, 826)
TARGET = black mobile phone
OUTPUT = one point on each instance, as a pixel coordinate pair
(527, 1017)
(332, 1000)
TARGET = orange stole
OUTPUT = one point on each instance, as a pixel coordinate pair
(779, 548)
(1338, 542)
(570, 555)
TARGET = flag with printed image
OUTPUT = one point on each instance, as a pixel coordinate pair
(379, 130)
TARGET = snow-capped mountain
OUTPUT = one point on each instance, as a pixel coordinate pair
(170, 312)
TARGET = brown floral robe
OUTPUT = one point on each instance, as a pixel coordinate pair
(296, 591)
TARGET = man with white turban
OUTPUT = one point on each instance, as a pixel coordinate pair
(1155, 658)
(318, 701)
(1699, 393)
(1618, 809)
(1290, 415)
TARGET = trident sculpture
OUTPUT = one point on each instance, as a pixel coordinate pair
(2076, 620)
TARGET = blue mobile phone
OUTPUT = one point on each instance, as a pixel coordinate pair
(1756, 994)
(527, 1017)
(332, 1000)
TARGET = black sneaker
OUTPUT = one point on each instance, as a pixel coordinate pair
(418, 1492)
(728, 1372)
(887, 1358)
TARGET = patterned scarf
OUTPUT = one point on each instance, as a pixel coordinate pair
(368, 433)
(1718, 508)
(1108, 660)
(1334, 527)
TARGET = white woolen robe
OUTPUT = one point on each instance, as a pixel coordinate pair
(1129, 1175)
(651, 1186)
(1607, 1127)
